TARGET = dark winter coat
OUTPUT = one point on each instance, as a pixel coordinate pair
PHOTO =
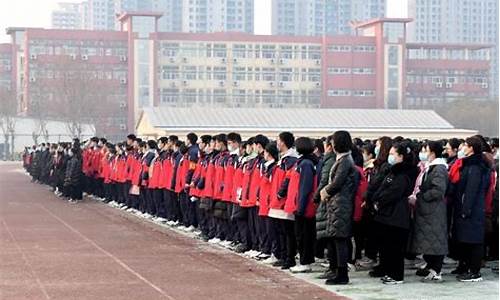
(73, 172)
(340, 205)
(324, 167)
(390, 201)
(469, 209)
(430, 233)
(377, 177)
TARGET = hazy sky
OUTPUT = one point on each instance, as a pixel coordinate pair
(36, 13)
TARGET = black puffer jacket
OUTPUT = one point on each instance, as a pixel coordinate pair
(390, 201)
(377, 177)
(468, 208)
(73, 172)
(323, 169)
(340, 205)
(430, 234)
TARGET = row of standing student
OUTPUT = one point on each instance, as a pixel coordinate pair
(273, 200)
(58, 165)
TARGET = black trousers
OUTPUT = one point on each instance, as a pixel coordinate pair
(142, 199)
(359, 232)
(305, 232)
(264, 242)
(338, 252)
(470, 256)
(244, 233)
(253, 228)
(279, 238)
(291, 242)
(434, 262)
(392, 249)
(159, 201)
(75, 192)
(183, 208)
(371, 243)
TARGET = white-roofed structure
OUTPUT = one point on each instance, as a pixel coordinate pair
(362, 123)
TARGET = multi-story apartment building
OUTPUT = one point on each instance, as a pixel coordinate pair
(177, 15)
(457, 22)
(217, 15)
(6, 71)
(68, 16)
(322, 17)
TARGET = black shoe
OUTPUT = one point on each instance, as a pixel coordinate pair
(241, 248)
(422, 272)
(376, 273)
(341, 278)
(470, 277)
(279, 263)
(329, 274)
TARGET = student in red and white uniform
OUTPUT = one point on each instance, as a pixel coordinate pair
(240, 213)
(299, 202)
(250, 186)
(231, 179)
(281, 220)
(146, 162)
(206, 201)
(267, 171)
(220, 207)
(198, 183)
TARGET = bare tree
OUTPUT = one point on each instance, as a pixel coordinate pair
(8, 111)
(39, 112)
(83, 96)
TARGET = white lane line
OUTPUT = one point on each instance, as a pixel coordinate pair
(116, 259)
(26, 261)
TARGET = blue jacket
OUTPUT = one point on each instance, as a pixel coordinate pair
(306, 166)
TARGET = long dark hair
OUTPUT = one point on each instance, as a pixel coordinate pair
(385, 147)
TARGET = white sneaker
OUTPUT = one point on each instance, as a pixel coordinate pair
(351, 267)
(421, 265)
(248, 253)
(433, 277)
(325, 265)
(182, 227)
(190, 228)
(161, 220)
(225, 244)
(263, 256)
(148, 216)
(175, 223)
(301, 269)
(170, 223)
(130, 209)
(255, 254)
(124, 207)
(214, 241)
(271, 260)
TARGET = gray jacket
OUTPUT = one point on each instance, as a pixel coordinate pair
(430, 230)
(340, 205)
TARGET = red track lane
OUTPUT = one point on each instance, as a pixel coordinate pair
(50, 249)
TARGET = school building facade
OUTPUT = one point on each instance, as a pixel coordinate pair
(139, 67)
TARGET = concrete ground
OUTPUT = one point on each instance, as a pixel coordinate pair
(50, 249)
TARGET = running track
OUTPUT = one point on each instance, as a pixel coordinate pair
(50, 249)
